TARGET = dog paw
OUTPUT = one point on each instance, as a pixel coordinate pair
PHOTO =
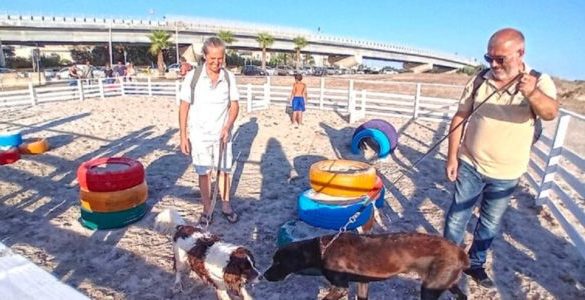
(177, 288)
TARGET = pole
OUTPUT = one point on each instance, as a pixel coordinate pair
(177, 41)
(110, 46)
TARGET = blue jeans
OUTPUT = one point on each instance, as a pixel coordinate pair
(469, 188)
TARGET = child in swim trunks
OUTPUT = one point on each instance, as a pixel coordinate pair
(297, 99)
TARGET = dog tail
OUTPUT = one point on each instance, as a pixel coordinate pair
(168, 220)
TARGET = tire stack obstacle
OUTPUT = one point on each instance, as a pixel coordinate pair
(378, 131)
(339, 188)
(12, 146)
(113, 192)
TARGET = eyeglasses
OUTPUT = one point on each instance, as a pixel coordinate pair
(500, 60)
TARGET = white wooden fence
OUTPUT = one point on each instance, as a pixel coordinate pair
(555, 171)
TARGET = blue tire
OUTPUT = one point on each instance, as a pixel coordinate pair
(9, 140)
(383, 126)
(377, 135)
(330, 216)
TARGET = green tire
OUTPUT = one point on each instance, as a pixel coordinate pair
(109, 220)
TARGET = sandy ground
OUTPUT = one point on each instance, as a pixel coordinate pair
(39, 204)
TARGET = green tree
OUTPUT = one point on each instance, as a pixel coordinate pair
(159, 41)
(265, 40)
(300, 43)
(227, 37)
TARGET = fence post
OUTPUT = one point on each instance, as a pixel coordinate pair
(101, 87)
(80, 89)
(122, 85)
(178, 91)
(267, 91)
(553, 159)
(350, 98)
(416, 101)
(149, 86)
(33, 93)
(321, 93)
(249, 97)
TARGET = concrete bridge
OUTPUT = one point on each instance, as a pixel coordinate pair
(41, 30)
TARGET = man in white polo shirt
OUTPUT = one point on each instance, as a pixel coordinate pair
(206, 119)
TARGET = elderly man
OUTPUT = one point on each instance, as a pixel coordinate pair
(206, 116)
(487, 159)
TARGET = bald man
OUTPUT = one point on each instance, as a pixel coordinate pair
(486, 160)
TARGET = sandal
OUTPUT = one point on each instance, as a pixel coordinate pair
(205, 220)
(231, 217)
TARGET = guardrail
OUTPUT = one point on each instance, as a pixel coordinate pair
(555, 170)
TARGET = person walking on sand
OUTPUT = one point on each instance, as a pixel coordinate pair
(298, 95)
(486, 159)
(206, 116)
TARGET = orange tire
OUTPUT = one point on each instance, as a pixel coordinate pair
(113, 201)
(344, 178)
(37, 146)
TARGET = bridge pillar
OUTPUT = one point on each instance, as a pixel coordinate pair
(2, 58)
(345, 61)
(418, 68)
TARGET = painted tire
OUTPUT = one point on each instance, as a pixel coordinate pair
(332, 200)
(378, 193)
(9, 156)
(10, 139)
(97, 220)
(377, 135)
(38, 146)
(95, 179)
(383, 126)
(114, 201)
(331, 216)
(344, 178)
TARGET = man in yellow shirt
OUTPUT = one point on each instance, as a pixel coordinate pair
(487, 159)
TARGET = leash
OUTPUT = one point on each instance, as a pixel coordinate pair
(216, 186)
(369, 200)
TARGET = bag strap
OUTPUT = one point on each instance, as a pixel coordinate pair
(195, 79)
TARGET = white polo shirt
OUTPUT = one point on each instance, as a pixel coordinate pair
(209, 110)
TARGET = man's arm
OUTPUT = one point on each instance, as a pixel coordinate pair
(454, 142)
(183, 114)
(543, 105)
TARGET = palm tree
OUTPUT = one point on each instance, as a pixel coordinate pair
(159, 41)
(227, 37)
(300, 42)
(265, 40)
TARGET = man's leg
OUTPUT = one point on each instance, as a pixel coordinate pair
(204, 188)
(468, 187)
(224, 189)
(496, 197)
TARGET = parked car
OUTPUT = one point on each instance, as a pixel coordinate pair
(319, 71)
(174, 68)
(251, 70)
(283, 70)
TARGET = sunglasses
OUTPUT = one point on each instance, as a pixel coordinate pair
(500, 60)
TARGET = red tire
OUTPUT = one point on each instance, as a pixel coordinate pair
(95, 176)
(9, 156)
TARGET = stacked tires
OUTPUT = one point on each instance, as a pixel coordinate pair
(382, 133)
(339, 188)
(113, 192)
(12, 146)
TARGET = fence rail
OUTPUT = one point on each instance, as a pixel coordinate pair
(555, 171)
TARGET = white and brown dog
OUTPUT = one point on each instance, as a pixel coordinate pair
(226, 267)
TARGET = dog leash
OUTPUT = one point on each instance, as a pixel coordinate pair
(216, 186)
(368, 200)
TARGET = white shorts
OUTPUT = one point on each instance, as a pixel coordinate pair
(205, 158)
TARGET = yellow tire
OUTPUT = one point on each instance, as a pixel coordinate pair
(344, 178)
(113, 201)
(38, 146)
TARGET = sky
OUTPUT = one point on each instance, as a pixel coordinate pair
(554, 30)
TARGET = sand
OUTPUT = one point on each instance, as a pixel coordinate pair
(39, 206)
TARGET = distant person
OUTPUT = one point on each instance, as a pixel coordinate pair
(298, 97)
(486, 159)
(120, 70)
(185, 67)
(109, 72)
(74, 75)
(130, 71)
(88, 71)
(206, 118)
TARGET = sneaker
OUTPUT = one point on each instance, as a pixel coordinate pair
(480, 276)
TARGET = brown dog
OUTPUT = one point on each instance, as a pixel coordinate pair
(365, 258)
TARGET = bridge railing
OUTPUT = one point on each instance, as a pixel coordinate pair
(238, 28)
(555, 170)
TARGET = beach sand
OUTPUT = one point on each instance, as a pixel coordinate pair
(39, 206)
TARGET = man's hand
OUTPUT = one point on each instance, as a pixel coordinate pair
(225, 134)
(185, 146)
(451, 169)
(527, 85)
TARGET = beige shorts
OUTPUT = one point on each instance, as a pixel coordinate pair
(205, 158)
